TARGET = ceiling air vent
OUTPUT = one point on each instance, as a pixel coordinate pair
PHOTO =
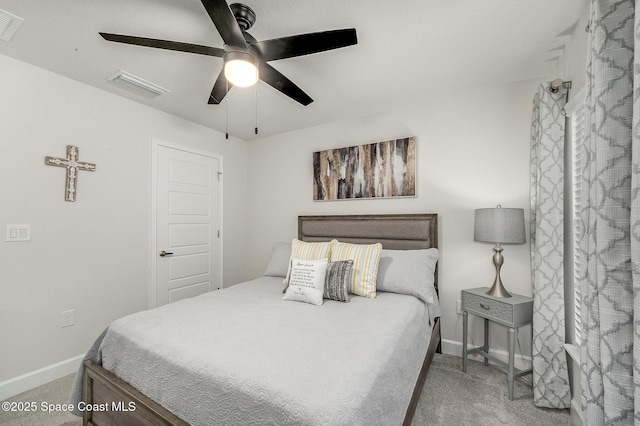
(137, 85)
(9, 24)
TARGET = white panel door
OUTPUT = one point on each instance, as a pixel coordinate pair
(188, 218)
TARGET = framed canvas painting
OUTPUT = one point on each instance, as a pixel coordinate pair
(384, 169)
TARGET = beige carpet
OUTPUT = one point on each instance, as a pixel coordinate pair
(479, 397)
(449, 398)
(56, 392)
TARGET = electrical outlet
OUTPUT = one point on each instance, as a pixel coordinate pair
(459, 307)
(68, 318)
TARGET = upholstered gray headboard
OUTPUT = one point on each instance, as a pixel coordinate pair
(393, 231)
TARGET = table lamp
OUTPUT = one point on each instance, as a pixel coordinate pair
(499, 226)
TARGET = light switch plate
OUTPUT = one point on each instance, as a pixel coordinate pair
(18, 233)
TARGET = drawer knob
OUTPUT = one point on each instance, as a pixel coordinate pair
(483, 306)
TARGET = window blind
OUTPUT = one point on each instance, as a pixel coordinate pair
(575, 110)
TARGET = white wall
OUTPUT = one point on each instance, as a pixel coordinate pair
(575, 57)
(473, 152)
(91, 255)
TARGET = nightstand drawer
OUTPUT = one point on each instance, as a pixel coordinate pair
(511, 311)
(486, 307)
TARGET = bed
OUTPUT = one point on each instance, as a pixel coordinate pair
(242, 355)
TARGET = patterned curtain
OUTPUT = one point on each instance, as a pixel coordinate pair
(610, 219)
(550, 373)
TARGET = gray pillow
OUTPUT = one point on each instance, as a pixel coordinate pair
(338, 280)
(279, 262)
(409, 272)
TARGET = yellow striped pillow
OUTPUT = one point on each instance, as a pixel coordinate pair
(306, 251)
(366, 258)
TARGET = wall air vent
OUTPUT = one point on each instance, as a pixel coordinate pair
(137, 85)
(9, 24)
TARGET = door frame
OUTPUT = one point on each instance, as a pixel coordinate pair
(153, 249)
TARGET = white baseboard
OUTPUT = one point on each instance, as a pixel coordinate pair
(453, 347)
(36, 378)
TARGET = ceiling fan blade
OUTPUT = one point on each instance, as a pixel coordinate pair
(278, 81)
(220, 89)
(164, 44)
(225, 22)
(305, 44)
(249, 38)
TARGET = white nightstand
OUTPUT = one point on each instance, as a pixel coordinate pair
(511, 312)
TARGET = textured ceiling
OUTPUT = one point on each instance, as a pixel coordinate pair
(407, 50)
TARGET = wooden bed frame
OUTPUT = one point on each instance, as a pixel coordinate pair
(397, 232)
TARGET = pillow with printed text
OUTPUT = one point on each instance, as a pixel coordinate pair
(308, 251)
(306, 281)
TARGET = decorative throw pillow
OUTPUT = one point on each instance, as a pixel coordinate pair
(365, 265)
(279, 262)
(306, 281)
(308, 251)
(409, 272)
(338, 280)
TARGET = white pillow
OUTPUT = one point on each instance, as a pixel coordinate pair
(306, 281)
(279, 262)
(304, 250)
(409, 272)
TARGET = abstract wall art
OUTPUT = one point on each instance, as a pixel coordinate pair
(378, 170)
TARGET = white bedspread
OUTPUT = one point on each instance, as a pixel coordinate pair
(243, 355)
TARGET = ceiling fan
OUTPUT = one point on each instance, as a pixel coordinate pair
(242, 52)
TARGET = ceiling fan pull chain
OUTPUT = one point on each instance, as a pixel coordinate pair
(256, 129)
(226, 112)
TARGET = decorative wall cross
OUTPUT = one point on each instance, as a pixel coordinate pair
(73, 166)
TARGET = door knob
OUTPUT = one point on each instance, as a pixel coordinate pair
(164, 253)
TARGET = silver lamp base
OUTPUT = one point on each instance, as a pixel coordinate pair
(498, 290)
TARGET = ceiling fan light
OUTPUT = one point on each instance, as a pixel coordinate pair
(240, 69)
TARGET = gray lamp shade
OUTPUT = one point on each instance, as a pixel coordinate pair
(499, 225)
